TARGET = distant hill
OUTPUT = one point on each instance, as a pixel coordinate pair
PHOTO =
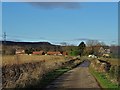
(37, 46)
(24, 43)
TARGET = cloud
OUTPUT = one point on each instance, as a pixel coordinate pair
(79, 39)
(76, 40)
(52, 5)
(85, 39)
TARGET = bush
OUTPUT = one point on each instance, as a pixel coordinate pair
(74, 53)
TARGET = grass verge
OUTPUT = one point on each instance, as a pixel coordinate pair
(103, 81)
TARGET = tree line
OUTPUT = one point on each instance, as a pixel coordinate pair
(90, 47)
(84, 48)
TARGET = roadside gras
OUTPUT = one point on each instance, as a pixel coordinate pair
(103, 81)
(51, 76)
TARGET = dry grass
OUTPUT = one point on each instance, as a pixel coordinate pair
(31, 70)
(19, 59)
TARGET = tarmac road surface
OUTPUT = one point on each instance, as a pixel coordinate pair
(79, 77)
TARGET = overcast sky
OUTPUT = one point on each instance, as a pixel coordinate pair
(61, 22)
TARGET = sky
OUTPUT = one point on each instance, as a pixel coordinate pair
(60, 0)
(61, 22)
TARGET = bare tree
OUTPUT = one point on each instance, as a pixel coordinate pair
(94, 46)
(95, 43)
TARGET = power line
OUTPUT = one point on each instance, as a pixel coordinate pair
(17, 36)
(30, 37)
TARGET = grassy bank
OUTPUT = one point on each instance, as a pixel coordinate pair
(102, 80)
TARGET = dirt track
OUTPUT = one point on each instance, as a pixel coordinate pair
(79, 77)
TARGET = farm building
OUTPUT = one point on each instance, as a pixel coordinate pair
(54, 53)
(20, 51)
(39, 53)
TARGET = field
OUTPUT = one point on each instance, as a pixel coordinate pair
(20, 59)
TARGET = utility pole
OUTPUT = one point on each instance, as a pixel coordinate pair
(4, 42)
(4, 37)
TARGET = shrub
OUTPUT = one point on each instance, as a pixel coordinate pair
(74, 53)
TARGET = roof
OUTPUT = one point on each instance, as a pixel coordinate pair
(38, 52)
(53, 53)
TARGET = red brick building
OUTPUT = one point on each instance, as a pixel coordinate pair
(39, 53)
(54, 53)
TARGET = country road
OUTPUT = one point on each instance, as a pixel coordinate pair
(78, 77)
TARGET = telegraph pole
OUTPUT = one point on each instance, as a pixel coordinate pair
(4, 42)
(4, 37)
